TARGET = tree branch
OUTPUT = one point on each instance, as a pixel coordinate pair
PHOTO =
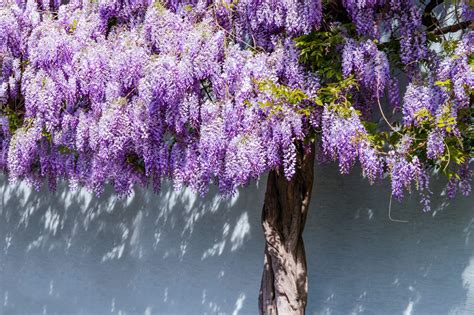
(454, 28)
(428, 19)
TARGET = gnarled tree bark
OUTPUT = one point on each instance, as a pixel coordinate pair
(284, 285)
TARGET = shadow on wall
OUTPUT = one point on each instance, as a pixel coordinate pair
(364, 263)
(173, 253)
(178, 253)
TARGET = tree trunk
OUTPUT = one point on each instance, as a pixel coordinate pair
(284, 285)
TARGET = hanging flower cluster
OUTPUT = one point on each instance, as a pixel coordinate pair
(164, 97)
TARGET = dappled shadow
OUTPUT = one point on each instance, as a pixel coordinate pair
(178, 253)
(175, 252)
(363, 263)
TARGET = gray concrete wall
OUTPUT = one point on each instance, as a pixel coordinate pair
(176, 253)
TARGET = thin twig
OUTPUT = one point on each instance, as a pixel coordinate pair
(381, 110)
(449, 157)
(390, 212)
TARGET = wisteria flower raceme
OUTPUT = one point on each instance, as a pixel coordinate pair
(203, 92)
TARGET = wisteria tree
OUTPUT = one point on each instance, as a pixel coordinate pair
(219, 92)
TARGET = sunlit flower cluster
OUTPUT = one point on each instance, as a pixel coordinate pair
(135, 92)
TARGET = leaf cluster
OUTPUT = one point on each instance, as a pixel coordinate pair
(319, 53)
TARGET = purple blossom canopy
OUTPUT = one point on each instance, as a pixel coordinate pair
(135, 92)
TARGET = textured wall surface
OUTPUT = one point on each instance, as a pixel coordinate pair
(176, 253)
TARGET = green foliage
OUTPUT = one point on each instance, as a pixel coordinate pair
(72, 27)
(337, 94)
(333, 94)
(15, 120)
(229, 6)
(47, 135)
(283, 92)
(318, 53)
(282, 96)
